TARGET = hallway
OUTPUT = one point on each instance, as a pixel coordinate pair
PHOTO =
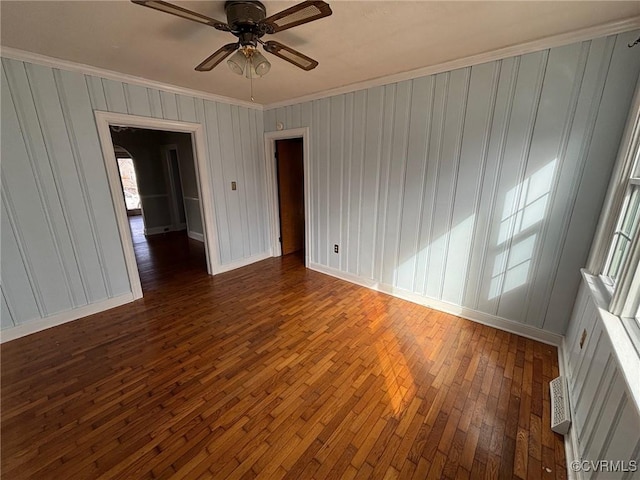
(166, 257)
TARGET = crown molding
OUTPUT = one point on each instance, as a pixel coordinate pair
(30, 57)
(575, 36)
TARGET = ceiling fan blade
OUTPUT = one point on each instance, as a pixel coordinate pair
(290, 55)
(216, 57)
(183, 13)
(304, 12)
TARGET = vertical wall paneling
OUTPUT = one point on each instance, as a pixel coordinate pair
(61, 247)
(89, 249)
(18, 281)
(396, 181)
(25, 162)
(478, 187)
(169, 106)
(434, 153)
(137, 100)
(220, 194)
(345, 177)
(612, 103)
(605, 417)
(336, 177)
(260, 177)
(413, 252)
(6, 318)
(114, 96)
(371, 180)
(229, 174)
(409, 218)
(248, 151)
(315, 212)
(154, 103)
(187, 108)
(355, 181)
(511, 265)
(502, 279)
(455, 94)
(240, 178)
(322, 179)
(551, 203)
(96, 93)
(78, 103)
(384, 170)
(486, 212)
(70, 221)
(473, 157)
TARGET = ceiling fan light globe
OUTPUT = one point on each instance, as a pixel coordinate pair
(237, 63)
(260, 64)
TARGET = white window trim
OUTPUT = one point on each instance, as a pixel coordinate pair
(620, 302)
(617, 189)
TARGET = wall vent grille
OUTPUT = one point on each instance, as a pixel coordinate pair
(560, 412)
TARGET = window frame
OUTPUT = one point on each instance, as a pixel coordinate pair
(624, 290)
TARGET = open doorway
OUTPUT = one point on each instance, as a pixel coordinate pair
(196, 134)
(287, 155)
(167, 237)
(290, 180)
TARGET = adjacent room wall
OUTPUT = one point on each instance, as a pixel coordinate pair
(151, 173)
(479, 188)
(60, 244)
(189, 182)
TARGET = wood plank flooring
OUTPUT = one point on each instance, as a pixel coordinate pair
(273, 371)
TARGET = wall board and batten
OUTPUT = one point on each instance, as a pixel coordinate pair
(62, 257)
(476, 190)
(604, 387)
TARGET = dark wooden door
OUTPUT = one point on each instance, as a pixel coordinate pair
(291, 194)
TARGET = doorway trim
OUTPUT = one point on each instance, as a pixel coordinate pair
(106, 119)
(272, 187)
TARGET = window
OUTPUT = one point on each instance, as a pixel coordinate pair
(621, 272)
(626, 230)
(129, 183)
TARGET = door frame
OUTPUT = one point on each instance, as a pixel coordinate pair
(106, 119)
(272, 187)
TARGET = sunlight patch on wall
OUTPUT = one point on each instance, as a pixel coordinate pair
(525, 206)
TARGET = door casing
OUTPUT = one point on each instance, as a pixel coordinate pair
(106, 119)
(272, 188)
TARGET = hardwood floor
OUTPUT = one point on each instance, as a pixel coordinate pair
(274, 371)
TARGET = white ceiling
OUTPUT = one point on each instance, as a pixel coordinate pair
(360, 41)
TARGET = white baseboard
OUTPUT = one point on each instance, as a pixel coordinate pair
(480, 317)
(165, 229)
(34, 326)
(196, 236)
(243, 262)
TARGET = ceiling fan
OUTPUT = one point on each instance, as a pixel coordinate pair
(248, 21)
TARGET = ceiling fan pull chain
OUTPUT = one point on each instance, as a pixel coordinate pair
(250, 79)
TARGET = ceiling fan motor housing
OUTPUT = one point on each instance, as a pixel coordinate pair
(243, 18)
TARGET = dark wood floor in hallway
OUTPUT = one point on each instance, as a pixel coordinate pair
(273, 371)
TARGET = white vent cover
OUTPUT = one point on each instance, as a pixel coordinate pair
(560, 413)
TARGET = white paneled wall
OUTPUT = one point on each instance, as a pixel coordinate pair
(606, 417)
(60, 244)
(479, 187)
